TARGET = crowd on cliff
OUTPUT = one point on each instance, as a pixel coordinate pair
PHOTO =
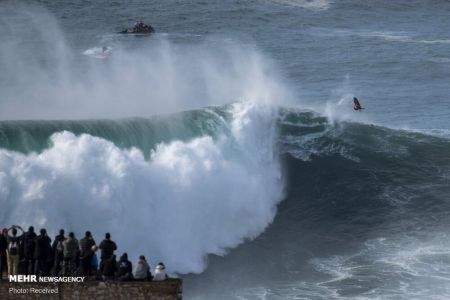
(29, 253)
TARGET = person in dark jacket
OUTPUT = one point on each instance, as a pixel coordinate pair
(86, 253)
(70, 254)
(108, 268)
(107, 246)
(42, 253)
(3, 246)
(28, 250)
(125, 272)
(58, 250)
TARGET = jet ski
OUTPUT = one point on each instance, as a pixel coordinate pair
(139, 28)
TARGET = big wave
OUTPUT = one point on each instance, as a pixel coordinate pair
(365, 214)
(176, 188)
(189, 199)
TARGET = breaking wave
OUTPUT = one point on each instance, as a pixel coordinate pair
(189, 199)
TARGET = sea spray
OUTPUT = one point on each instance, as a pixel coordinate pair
(54, 80)
(189, 200)
(174, 199)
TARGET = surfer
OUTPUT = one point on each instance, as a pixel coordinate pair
(356, 104)
(106, 52)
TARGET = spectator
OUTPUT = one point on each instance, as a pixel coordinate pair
(12, 251)
(28, 250)
(42, 253)
(3, 246)
(86, 253)
(125, 272)
(160, 272)
(70, 254)
(94, 262)
(142, 271)
(107, 246)
(58, 250)
(108, 268)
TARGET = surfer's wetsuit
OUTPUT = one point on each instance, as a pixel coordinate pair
(356, 104)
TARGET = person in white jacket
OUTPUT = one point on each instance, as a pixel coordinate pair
(142, 270)
(160, 272)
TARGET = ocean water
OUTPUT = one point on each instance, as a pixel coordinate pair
(226, 145)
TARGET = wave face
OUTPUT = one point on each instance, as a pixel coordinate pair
(210, 180)
(365, 216)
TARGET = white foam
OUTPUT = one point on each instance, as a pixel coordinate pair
(443, 133)
(189, 200)
(438, 41)
(308, 4)
(418, 269)
(334, 266)
(97, 52)
(442, 60)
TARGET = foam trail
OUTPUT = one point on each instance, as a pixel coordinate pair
(189, 200)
